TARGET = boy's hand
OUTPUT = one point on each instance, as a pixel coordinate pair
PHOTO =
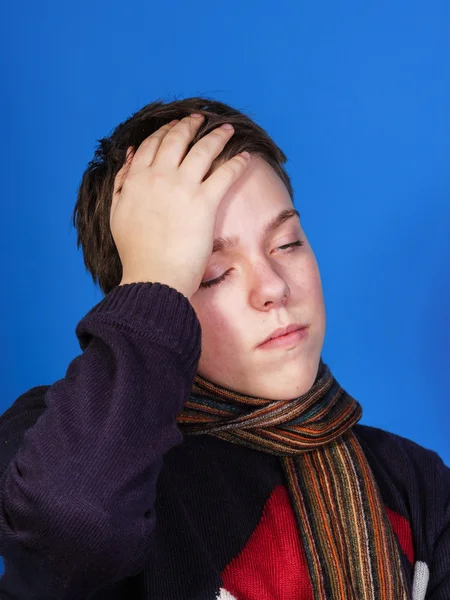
(163, 220)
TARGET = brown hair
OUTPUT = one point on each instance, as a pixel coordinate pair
(91, 215)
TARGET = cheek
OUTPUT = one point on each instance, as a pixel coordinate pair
(308, 275)
(315, 282)
(214, 321)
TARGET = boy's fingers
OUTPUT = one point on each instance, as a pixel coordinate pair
(120, 179)
(219, 182)
(175, 144)
(200, 157)
(145, 154)
(122, 173)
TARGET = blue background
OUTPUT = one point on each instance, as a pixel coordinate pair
(357, 95)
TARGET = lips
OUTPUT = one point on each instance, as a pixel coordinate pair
(283, 331)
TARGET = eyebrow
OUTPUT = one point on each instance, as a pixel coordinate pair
(224, 243)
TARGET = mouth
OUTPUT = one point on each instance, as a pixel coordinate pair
(292, 334)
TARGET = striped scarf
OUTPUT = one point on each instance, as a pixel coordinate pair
(350, 547)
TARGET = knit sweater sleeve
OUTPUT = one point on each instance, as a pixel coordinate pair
(77, 487)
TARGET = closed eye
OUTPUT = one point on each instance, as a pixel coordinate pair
(292, 247)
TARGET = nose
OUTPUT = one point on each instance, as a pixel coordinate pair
(269, 287)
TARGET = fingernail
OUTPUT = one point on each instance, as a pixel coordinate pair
(227, 126)
(245, 154)
(173, 122)
(196, 115)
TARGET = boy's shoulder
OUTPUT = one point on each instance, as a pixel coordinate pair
(400, 455)
(26, 408)
(385, 441)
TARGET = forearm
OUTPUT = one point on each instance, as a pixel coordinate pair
(77, 498)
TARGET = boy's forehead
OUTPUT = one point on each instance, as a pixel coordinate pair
(258, 191)
(257, 202)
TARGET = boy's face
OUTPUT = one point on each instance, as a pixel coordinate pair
(268, 288)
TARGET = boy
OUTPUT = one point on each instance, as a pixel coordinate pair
(199, 448)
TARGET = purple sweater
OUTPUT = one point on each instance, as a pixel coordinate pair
(88, 511)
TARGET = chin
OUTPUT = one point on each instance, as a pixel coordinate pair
(297, 383)
(288, 393)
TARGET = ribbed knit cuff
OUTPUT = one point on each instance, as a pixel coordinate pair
(156, 311)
